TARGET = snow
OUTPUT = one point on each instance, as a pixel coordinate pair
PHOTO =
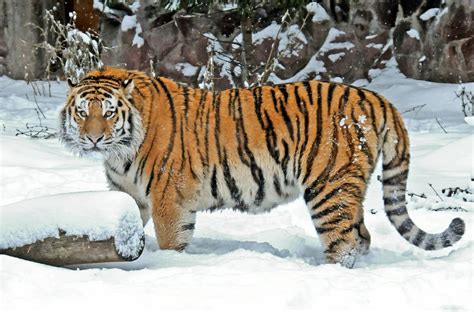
(99, 215)
(288, 39)
(429, 14)
(130, 22)
(329, 43)
(134, 6)
(186, 69)
(336, 56)
(469, 120)
(313, 66)
(319, 13)
(138, 41)
(413, 33)
(272, 261)
(375, 45)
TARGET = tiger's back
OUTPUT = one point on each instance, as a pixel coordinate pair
(252, 149)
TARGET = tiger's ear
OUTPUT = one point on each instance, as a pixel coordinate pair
(70, 83)
(128, 87)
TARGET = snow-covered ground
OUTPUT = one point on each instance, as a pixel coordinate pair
(236, 261)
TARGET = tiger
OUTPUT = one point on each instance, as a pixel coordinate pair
(178, 150)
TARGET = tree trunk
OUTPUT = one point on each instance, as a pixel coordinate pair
(247, 48)
(69, 250)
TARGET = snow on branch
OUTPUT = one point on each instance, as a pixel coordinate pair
(71, 50)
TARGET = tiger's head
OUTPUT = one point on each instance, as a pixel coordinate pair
(99, 116)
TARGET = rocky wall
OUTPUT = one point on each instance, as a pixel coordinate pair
(341, 40)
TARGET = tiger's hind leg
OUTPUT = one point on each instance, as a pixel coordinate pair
(336, 211)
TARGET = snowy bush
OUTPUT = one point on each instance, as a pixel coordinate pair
(467, 100)
(72, 51)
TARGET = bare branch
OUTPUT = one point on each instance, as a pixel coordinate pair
(441, 126)
(413, 109)
(435, 191)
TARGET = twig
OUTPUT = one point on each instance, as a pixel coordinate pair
(415, 108)
(439, 123)
(449, 208)
(417, 195)
(435, 191)
(271, 57)
(37, 106)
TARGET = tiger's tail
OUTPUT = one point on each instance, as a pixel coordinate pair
(396, 159)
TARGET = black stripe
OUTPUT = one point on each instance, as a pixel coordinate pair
(248, 157)
(334, 244)
(396, 212)
(430, 243)
(283, 91)
(420, 236)
(276, 184)
(271, 139)
(217, 119)
(445, 240)
(206, 133)
(235, 193)
(383, 108)
(405, 227)
(126, 166)
(285, 160)
(214, 189)
(329, 210)
(193, 174)
(152, 176)
(181, 247)
(112, 183)
(257, 98)
(183, 149)
(286, 118)
(186, 102)
(347, 230)
(322, 230)
(187, 227)
(165, 189)
(390, 200)
(348, 188)
(297, 143)
(396, 179)
(345, 215)
(331, 89)
(309, 91)
(170, 146)
(317, 141)
(302, 107)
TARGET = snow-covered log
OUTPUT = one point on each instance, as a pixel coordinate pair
(74, 228)
(68, 250)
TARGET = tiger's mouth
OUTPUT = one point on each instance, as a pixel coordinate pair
(94, 149)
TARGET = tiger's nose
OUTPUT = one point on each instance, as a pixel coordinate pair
(95, 139)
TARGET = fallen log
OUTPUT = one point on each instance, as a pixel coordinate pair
(71, 249)
(74, 228)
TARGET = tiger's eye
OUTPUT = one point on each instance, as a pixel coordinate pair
(108, 114)
(83, 114)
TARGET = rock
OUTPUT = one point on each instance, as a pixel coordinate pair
(443, 50)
